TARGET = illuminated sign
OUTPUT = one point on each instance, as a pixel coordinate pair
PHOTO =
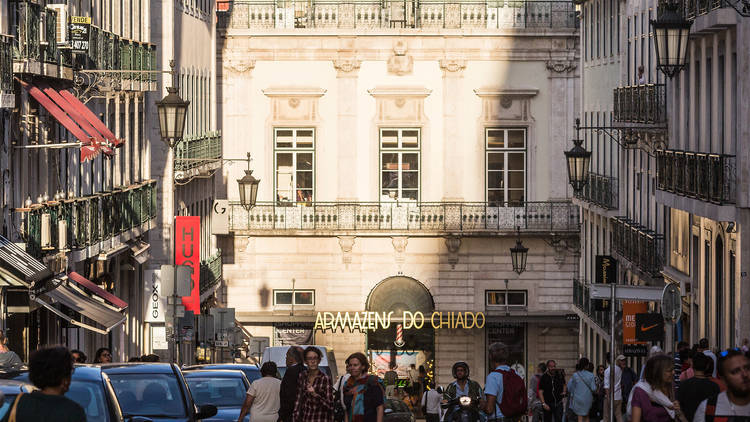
(370, 321)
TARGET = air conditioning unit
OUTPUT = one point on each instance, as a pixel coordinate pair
(62, 234)
(62, 22)
(46, 242)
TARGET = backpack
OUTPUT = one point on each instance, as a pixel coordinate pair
(711, 410)
(514, 401)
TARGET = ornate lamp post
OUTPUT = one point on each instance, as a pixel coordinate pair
(578, 160)
(671, 32)
(248, 187)
(518, 254)
(172, 111)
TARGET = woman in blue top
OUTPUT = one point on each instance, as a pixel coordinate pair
(581, 389)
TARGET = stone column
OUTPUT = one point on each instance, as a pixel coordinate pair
(455, 180)
(692, 117)
(561, 79)
(116, 175)
(704, 142)
(729, 145)
(128, 163)
(137, 156)
(715, 144)
(347, 70)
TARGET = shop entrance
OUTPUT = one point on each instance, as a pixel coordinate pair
(398, 344)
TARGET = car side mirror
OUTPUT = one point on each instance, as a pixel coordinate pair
(206, 411)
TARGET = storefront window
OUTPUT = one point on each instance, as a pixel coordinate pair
(512, 335)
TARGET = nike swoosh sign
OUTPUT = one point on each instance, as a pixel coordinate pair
(649, 327)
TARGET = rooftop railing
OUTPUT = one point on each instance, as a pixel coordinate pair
(707, 177)
(642, 247)
(90, 219)
(583, 301)
(431, 14)
(410, 217)
(640, 104)
(600, 190)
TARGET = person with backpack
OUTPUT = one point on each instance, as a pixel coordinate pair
(732, 405)
(363, 395)
(505, 390)
(552, 392)
(581, 388)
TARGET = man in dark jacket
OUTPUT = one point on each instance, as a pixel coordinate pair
(288, 391)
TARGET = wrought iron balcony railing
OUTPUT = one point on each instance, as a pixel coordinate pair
(364, 14)
(694, 8)
(25, 20)
(50, 53)
(707, 177)
(601, 190)
(196, 151)
(426, 218)
(583, 301)
(642, 247)
(87, 220)
(640, 104)
(6, 63)
(211, 272)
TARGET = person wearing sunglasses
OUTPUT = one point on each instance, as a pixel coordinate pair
(732, 405)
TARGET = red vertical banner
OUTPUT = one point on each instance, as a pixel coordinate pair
(187, 252)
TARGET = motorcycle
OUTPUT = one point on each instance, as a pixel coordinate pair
(467, 411)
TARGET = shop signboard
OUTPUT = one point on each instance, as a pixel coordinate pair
(372, 321)
(159, 337)
(513, 336)
(156, 297)
(606, 273)
(630, 309)
(80, 29)
(649, 327)
(293, 334)
(187, 252)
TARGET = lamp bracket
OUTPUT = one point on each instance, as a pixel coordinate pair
(93, 83)
(615, 133)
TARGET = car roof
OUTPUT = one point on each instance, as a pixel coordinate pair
(138, 368)
(235, 366)
(207, 373)
(14, 387)
(87, 372)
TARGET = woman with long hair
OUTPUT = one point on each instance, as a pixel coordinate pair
(651, 398)
(314, 391)
(103, 355)
(581, 390)
(363, 396)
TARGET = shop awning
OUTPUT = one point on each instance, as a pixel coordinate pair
(18, 267)
(85, 298)
(91, 118)
(140, 251)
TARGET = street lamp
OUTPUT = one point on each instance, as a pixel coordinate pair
(578, 160)
(248, 187)
(671, 32)
(172, 111)
(518, 254)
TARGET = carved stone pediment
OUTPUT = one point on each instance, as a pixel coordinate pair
(396, 104)
(502, 104)
(294, 104)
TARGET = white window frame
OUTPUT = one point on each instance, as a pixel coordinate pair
(294, 295)
(400, 150)
(505, 151)
(504, 293)
(294, 150)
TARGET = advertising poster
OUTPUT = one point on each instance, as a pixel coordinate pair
(187, 252)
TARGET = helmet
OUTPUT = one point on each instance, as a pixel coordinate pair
(457, 364)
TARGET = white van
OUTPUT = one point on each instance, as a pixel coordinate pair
(277, 355)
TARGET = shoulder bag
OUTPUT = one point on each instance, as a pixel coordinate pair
(339, 413)
(13, 410)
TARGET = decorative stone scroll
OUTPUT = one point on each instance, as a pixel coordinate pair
(347, 66)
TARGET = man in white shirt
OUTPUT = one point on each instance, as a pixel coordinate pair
(732, 405)
(431, 404)
(620, 363)
(703, 348)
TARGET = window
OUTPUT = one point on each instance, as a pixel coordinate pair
(294, 153)
(399, 164)
(506, 165)
(301, 297)
(502, 298)
(679, 228)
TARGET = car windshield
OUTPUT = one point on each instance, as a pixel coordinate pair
(90, 395)
(251, 375)
(220, 392)
(148, 394)
(7, 403)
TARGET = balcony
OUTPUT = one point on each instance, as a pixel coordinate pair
(601, 191)
(35, 48)
(695, 8)
(706, 177)
(431, 14)
(638, 245)
(7, 98)
(583, 301)
(644, 104)
(211, 273)
(90, 221)
(407, 218)
(197, 155)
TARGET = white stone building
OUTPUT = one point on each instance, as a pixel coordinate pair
(399, 146)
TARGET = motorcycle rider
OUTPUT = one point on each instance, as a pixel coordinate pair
(463, 386)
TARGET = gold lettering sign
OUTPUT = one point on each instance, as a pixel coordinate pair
(372, 321)
(80, 19)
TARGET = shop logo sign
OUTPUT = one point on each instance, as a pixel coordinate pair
(399, 336)
(187, 252)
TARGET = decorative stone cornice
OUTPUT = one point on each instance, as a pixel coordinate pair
(452, 66)
(561, 66)
(293, 91)
(347, 67)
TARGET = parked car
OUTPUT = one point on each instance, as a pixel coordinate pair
(155, 392)
(224, 389)
(277, 354)
(90, 388)
(396, 411)
(10, 390)
(252, 372)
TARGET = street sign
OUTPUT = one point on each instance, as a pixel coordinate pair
(258, 345)
(220, 217)
(221, 343)
(671, 303)
(649, 327)
(626, 292)
(223, 319)
(183, 283)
